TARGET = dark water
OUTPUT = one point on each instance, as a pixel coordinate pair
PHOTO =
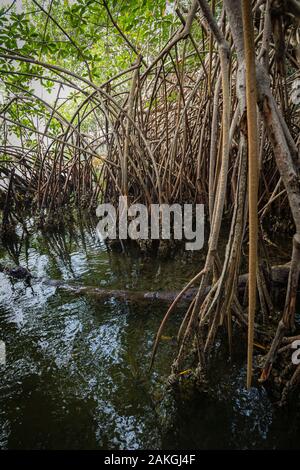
(77, 367)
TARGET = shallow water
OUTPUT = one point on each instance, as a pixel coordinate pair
(77, 375)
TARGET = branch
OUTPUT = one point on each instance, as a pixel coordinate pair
(121, 32)
(66, 34)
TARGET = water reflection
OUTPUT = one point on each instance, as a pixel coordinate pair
(77, 368)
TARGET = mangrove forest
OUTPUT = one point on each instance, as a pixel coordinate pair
(149, 224)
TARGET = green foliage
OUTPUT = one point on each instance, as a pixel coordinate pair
(78, 36)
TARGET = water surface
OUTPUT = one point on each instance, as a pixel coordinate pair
(77, 375)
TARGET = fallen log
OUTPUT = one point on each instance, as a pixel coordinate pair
(278, 280)
(159, 296)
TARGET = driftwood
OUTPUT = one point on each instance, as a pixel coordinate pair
(278, 279)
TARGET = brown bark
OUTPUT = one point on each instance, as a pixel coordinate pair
(251, 96)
